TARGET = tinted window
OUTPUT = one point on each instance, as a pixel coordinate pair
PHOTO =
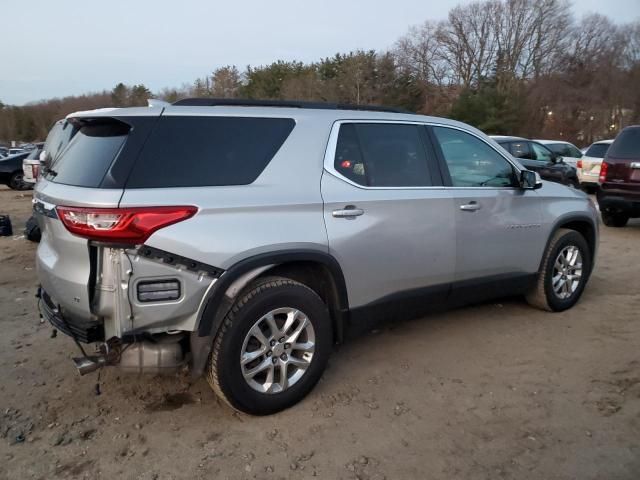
(89, 154)
(382, 155)
(597, 150)
(564, 149)
(472, 162)
(521, 150)
(627, 144)
(208, 151)
(57, 140)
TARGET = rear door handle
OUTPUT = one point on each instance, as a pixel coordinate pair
(348, 212)
(471, 206)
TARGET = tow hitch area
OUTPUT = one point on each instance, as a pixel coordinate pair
(161, 354)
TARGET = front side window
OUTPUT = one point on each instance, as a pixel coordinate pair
(540, 153)
(382, 155)
(472, 162)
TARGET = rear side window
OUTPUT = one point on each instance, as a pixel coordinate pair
(565, 150)
(382, 155)
(208, 151)
(89, 154)
(521, 150)
(627, 144)
(598, 150)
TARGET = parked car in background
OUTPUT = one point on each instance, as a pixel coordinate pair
(619, 192)
(589, 165)
(16, 151)
(4, 152)
(11, 171)
(541, 159)
(31, 165)
(568, 151)
(149, 244)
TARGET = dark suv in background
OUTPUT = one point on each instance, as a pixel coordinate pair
(539, 158)
(619, 192)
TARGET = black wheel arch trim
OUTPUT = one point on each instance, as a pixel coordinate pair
(216, 307)
(567, 219)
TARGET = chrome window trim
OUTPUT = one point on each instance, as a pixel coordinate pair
(332, 145)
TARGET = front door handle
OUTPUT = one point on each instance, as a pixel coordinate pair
(471, 206)
(349, 211)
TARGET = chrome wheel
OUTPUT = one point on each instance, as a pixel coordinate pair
(567, 272)
(277, 350)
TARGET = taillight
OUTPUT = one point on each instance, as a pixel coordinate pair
(35, 171)
(121, 225)
(579, 164)
(603, 172)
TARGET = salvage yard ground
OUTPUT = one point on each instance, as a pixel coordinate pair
(487, 392)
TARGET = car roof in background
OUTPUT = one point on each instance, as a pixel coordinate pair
(549, 142)
(603, 142)
(507, 138)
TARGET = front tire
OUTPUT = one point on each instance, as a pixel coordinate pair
(272, 347)
(564, 272)
(614, 220)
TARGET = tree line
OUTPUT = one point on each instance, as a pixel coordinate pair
(519, 67)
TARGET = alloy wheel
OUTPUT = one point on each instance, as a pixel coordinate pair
(567, 272)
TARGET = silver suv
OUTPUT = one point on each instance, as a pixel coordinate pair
(244, 239)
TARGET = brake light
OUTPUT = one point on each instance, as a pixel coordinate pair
(579, 163)
(35, 171)
(121, 225)
(603, 172)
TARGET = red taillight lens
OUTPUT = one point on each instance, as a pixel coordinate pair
(121, 225)
(603, 172)
(35, 171)
(579, 164)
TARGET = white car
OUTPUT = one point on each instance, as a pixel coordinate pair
(568, 151)
(589, 167)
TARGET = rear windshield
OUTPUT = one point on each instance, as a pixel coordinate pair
(627, 144)
(89, 154)
(598, 150)
(208, 151)
(57, 140)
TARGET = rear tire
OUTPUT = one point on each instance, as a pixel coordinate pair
(614, 219)
(16, 181)
(270, 299)
(548, 293)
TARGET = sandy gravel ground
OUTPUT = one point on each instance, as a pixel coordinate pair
(488, 392)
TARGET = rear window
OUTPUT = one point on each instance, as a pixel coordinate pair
(89, 155)
(208, 151)
(598, 150)
(627, 144)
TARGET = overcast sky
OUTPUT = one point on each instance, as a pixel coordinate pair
(65, 47)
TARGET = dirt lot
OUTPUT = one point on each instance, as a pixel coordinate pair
(493, 391)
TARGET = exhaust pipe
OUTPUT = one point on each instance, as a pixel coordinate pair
(89, 364)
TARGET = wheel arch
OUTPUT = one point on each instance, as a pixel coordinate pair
(582, 224)
(318, 270)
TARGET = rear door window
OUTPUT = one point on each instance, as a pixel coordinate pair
(627, 144)
(208, 151)
(382, 155)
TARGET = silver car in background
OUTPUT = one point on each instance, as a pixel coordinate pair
(244, 239)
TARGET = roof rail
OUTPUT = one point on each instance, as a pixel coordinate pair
(237, 102)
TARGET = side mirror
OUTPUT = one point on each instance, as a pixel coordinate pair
(530, 180)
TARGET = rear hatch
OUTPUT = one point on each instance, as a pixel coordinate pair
(623, 163)
(592, 159)
(89, 172)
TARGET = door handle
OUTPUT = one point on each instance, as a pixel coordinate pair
(471, 206)
(348, 212)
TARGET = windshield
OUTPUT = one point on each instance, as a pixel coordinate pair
(598, 150)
